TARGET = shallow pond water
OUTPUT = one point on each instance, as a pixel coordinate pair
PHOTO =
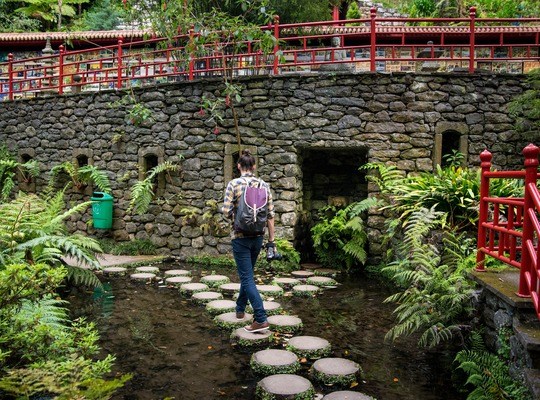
(174, 350)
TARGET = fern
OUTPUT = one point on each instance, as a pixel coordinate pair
(80, 176)
(89, 173)
(48, 312)
(142, 193)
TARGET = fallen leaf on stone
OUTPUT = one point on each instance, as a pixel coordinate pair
(210, 347)
(396, 380)
(303, 360)
(354, 384)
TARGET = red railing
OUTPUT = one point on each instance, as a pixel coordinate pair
(509, 228)
(368, 44)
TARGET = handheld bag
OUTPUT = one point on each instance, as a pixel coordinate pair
(252, 211)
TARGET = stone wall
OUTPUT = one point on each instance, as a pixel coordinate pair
(398, 119)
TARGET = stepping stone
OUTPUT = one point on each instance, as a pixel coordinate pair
(309, 346)
(306, 290)
(143, 276)
(178, 280)
(284, 386)
(285, 283)
(285, 323)
(322, 281)
(347, 395)
(177, 272)
(270, 290)
(271, 308)
(115, 270)
(327, 272)
(273, 361)
(310, 266)
(302, 274)
(152, 270)
(188, 289)
(216, 307)
(229, 288)
(205, 297)
(243, 338)
(215, 281)
(335, 371)
(230, 322)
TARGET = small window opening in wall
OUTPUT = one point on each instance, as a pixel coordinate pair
(151, 161)
(235, 171)
(25, 176)
(82, 160)
(449, 147)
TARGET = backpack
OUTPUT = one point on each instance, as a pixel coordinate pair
(252, 210)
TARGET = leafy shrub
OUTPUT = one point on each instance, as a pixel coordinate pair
(136, 247)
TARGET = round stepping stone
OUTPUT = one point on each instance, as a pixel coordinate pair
(347, 395)
(310, 266)
(285, 323)
(229, 288)
(271, 307)
(306, 290)
(322, 281)
(115, 270)
(273, 361)
(152, 270)
(327, 272)
(230, 322)
(215, 281)
(270, 290)
(205, 297)
(335, 371)
(285, 283)
(309, 346)
(244, 338)
(188, 289)
(143, 276)
(303, 274)
(177, 272)
(177, 280)
(284, 386)
(216, 307)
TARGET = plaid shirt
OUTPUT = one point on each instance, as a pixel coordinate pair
(234, 191)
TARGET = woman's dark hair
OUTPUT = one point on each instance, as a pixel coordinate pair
(246, 160)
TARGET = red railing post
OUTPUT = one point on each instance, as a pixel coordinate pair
(335, 14)
(485, 166)
(276, 45)
(527, 271)
(373, 33)
(191, 64)
(119, 63)
(472, 15)
(61, 69)
(10, 76)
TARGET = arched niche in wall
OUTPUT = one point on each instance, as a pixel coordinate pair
(450, 137)
(27, 183)
(82, 158)
(231, 158)
(149, 158)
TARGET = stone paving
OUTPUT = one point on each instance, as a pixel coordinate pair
(277, 368)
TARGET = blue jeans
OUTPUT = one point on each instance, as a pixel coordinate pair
(245, 252)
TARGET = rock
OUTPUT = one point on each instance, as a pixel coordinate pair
(229, 321)
(322, 281)
(115, 270)
(188, 289)
(285, 282)
(270, 290)
(216, 307)
(152, 270)
(271, 307)
(215, 281)
(243, 338)
(229, 288)
(274, 361)
(310, 266)
(177, 272)
(305, 290)
(326, 272)
(347, 395)
(309, 346)
(143, 276)
(302, 274)
(205, 297)
(285, 323)
(284, 386)
(177, 280)
(335, 371)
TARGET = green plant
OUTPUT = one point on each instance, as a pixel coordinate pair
(353, 12)
(142, 192)
(435, 296)
(136, 112)
(212, 261)
(8, 172)
(290, 258)
(488, 374)
(81, 176)
(526, 107)
(212, 220)
(135, 247)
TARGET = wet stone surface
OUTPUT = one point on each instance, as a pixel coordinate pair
(115, 270)
(309, 346)
(306, 290)
(321, 281)
(229, 320)
(274, 361)
(347, 395)
(215, 281)
(285, 323)
(177, 272)
(284, 385)
(229, 288)
(216, 307)
(302, 274)
(177, 280)
(152, 270)
(188, 289)
(205, 297)
(143, 276)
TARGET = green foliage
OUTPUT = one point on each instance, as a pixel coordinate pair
(212, 262)
(339, 237)
(290, 258)
(488, 374)
(49, 11)
(435, 296)
(80, 176)
(9, 169)
(103, 15)
(526, 107)
(136, 247)
(353, 12)
(142, 193)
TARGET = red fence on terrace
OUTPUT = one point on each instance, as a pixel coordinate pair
(369, 44)
(509, 228)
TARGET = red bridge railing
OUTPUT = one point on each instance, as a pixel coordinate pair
(509, 228)
(368, 44)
